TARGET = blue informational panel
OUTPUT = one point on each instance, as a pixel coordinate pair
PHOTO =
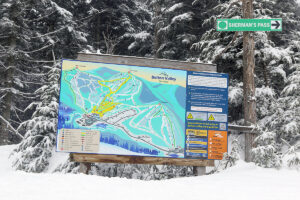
(142, 111)
(206, 115)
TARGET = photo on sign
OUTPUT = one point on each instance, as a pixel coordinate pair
(132, 108)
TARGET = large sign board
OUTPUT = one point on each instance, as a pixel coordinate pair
(249, 25)
(118, 109)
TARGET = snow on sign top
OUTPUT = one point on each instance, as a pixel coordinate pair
(142, 111)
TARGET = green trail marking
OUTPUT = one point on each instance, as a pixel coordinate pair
(249, 25)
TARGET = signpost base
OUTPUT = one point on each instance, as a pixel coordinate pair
(199, 171)
(84, 168)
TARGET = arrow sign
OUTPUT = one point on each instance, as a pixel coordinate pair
(249, 25)
(277, 24)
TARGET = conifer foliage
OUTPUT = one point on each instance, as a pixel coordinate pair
(276, 60)
(33, 153)
(34, 34)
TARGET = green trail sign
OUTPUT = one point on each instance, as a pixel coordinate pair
(249, 25)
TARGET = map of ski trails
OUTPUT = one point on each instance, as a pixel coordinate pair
(122, 110)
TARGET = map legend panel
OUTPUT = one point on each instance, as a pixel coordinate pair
(78, 140)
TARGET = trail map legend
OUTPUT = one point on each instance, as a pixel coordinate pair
(77, 140)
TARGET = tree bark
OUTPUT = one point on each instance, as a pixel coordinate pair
(248, 80)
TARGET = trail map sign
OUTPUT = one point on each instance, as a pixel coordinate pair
(249, 25)
(116, 109)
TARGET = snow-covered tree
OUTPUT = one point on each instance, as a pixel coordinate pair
(177, 25)
(276, 60)
(33, 153)
(15, 52)
(230, 158)
(31, 33)
(265, 153)
(119, 27)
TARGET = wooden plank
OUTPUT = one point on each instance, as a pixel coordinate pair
(97, 158)
(242, 128)
(147, 62)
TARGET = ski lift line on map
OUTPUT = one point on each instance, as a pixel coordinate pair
(72, 90)
(111, 105)
(105, 106)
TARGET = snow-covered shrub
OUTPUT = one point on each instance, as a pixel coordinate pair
(265, 101)
(33, 153)
(265, 152)
(230, 158)
(68, 167)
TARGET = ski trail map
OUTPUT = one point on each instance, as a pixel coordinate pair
(136, 110)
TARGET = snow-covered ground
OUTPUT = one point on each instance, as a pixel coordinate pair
(242, 182)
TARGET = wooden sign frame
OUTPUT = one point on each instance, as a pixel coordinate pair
(146, 62)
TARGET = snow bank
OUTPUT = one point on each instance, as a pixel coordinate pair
(244, 181)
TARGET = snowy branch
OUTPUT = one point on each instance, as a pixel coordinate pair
(42, 61)
(12, 128)
(50, 33)
(3, 96)
(30, 74)
(37, 19)
(37, 50)
(228, 46)
(27, 82)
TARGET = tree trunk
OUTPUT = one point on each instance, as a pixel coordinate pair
(248, 80)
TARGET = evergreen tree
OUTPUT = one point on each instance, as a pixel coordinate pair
(177, 25)
(119, 27)
(16, 73)
(32, 33)
(276, 58)
(265, 152)
(33, 153)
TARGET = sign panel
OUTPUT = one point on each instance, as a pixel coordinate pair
(249, 25)
(141, 111)
(207, 113)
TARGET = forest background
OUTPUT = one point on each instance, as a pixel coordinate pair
(36, 34)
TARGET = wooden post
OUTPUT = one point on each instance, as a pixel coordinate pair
(248, 80)
(84, 168)
(199, 171)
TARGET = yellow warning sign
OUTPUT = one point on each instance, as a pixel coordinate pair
(211, 118)
(190, 116)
